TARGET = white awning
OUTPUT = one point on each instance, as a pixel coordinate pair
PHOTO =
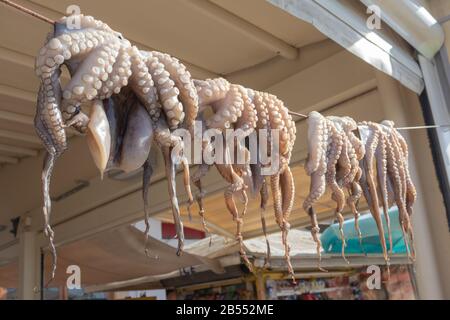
(114, 256)
(411, 20)
(345, 22)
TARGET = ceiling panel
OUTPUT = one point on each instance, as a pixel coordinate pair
(273, 20)
(18, 105)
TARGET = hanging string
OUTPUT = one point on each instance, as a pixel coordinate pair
(293, 113)
(425, 127)
(28, 11)
(400, 128)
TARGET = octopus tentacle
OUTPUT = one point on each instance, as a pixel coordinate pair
(168, 93)
(196, 179)
(316, 167)
(62, 46)
(284, 226)
(236, 185)
(395, 181)
(381, 163)
(411, 189)
(48, 121)
(146, 179)
(172, 148)
(271, 115)
(333, 154)
(90, 81)
(211, 90)
(368, 178)
(315, 229)
(343, 162)
(142, 83)
(276, 122)
(245, 126)
(316, 131)
(287, 190)
(287, 194)
(227, 110)
(170, 171)
(355, 193)
(248, 120)
(276, 194)
(187, 184)
(356, 153)
(263, 206)
(395, 155)
(184, 83)
(411, 193)
(49, 162)
(287, 180)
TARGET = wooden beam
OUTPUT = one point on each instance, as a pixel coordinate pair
(266, 39)
(16, 117)
(19, 136)
(196, 70)
(19, 150)
(23, 59)
(29, 266)
(17, 93)
(10, 160)
(16, 57)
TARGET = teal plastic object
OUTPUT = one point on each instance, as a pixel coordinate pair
(331, 240)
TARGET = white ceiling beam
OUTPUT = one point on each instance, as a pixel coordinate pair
(243, 26)
(16, 117)
(18, 150)
(10, 160)
(19, 136)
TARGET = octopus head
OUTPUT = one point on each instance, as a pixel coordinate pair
(89, 48)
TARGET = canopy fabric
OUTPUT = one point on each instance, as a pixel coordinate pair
(300, 242)
(413, 22)
(344, 22)
(115, 255)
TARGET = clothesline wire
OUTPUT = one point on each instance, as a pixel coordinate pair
(297, 114)
(398, 128)
(28, 11)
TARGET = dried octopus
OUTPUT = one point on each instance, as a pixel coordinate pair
(102, 63)
(375, 165)
(246, 110)
(386, 176)
(136, 98)
(334, 152)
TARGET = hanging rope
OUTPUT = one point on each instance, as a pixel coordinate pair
(27, 11)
